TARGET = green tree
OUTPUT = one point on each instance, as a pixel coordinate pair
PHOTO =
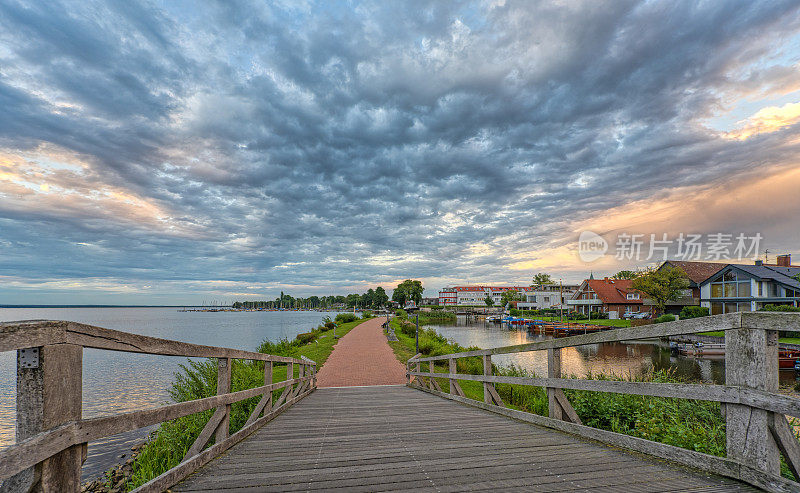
(381, 298)
(408, 290)
(661, 286)
(626, 274)
(510, 296)
(541, 279)
(489, 301)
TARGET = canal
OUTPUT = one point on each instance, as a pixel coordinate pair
(628, 359)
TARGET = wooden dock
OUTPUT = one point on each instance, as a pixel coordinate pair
(401, 439)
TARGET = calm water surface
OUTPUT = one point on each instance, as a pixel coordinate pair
(115, 382)
(622, 359)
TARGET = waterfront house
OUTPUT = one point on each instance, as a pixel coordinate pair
(697, 272)
(547, 296)
(476, 295)
(613, 296)
(744, 288)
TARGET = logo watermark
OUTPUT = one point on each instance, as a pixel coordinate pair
(691, 247)
(591, 246)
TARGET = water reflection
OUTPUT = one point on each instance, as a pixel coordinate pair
(630, 359)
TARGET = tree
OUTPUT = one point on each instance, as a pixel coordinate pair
(381, 298)
(626, 274)
(541, 279)
(662, 285)
(510, 296)
(489, 301)
(408, 290)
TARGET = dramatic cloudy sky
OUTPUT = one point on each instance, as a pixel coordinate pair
(175, 152)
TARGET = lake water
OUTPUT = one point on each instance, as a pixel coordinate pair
(115, 382)
(622, 359)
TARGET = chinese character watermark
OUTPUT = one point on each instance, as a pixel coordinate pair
(690, 246)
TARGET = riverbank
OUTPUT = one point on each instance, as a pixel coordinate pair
(690, 424)
(168, 444)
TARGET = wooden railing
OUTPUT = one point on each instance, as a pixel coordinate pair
(52, 436)
(757, 431)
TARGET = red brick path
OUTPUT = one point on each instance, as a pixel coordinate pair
(362, 357)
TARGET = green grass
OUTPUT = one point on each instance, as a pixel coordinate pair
(198, 379)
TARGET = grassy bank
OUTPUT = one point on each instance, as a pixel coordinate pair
(689, 424)
(198, 379)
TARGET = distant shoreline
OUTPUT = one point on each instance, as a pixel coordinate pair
(105, 306)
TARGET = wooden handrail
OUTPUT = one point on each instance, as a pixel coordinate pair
(57, 367)
(755, 414)
(36, 333)
(789, 322)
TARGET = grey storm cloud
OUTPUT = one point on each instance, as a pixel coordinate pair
(328, 145)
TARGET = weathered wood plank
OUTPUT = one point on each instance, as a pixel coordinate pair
(787, 442)
(717, 465)
(751, 360)
(223, 387)
(566, 407)
(487, 371)
(351, 449)
(24, 454)
(185, 468)
(20, 335)
(205, 434)
(705, 392)
(553, 372)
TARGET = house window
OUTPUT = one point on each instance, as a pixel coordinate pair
(730, 285)
(744, 289)
(716, 308)
(633, 296)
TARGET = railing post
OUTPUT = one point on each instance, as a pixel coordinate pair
(290, 376)
(453, 371)
(487, 370)
(751, 360)
(268, 381)
(301, 371)
(49, 387)
(554, 371)
(223, 387)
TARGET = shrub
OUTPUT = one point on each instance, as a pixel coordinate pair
(344, 318)
(284, 347)
(693, 312)
(664, 318)
(307, 337)
(779, 308)
(366, 314)
(329, 324)
(401, 314)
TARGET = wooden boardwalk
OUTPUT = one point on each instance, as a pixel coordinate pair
(396, 438)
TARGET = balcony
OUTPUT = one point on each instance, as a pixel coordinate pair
(585, 302)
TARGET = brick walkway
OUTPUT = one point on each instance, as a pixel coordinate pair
(362, 357)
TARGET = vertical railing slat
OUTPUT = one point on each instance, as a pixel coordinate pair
(751, 360)
(223, 387)
(554, 371)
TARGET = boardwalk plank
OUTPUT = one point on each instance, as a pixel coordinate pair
(396, 439)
